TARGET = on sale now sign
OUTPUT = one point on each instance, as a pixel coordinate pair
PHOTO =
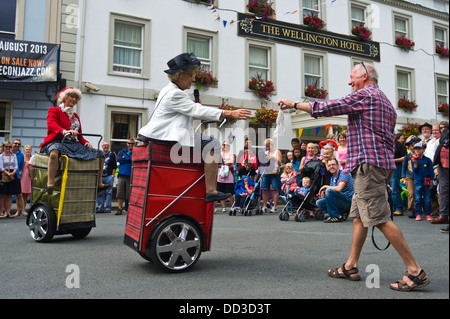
(25, 61)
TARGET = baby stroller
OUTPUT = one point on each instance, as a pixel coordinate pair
(246, 203)
(305, 205)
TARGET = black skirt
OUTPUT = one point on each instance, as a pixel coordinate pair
(11, 188)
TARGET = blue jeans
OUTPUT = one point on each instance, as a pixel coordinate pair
(422, 191)
(104, 198)
(334, 203)
(396, 190)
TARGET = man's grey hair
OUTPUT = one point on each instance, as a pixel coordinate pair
(371, 72)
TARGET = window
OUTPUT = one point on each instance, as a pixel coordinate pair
(311, 8)
(440, 36)
(313, 72)
(123, 127)
(5, 120)
(405, 83)
(401, 27)
(130, 46)
(8, 19)
(201, 47)
(442, 90)
(204, 44)
(258, 61)
(127, 48)
(358, 16)
(124, 123)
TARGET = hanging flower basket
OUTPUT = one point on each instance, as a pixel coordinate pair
(404, 43)
(443, 108)
(204, 80)
(362, 33)
(265, 117)
(227, 107)
(441, 51)
(316, 92)
(261, 88)
(262, 10)
(314, 22)
(410, 129)
(407, 105)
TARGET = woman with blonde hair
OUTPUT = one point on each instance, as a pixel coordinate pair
(270, 166)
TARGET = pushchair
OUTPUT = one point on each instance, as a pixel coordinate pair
(246, 203)
(304, 206)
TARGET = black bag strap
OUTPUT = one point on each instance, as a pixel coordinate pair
(391, 204)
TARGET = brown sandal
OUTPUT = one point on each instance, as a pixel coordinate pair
(419, 281)
(346, 273)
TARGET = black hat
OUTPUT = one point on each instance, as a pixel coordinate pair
(182, 62)
(425, 124)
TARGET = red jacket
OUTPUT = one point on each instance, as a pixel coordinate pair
(57, 121)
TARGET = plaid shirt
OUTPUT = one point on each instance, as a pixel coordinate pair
(370, 128)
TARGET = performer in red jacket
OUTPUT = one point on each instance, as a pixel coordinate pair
(62, 120)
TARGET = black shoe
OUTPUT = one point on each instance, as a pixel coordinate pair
(216, 197)
(444, 230)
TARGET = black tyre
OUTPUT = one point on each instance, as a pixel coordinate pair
(81, 233)
(176, 245)
(42, 223)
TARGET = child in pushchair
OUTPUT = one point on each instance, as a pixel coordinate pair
(304, 198)
(243, 190)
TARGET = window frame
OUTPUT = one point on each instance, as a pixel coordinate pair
(442, 77)
(446, 34)
(111, 109)
(7, 132)
(146, 40)
(409, 25)
(272, 72)
(411, 79)
(324, 68)
(214, 45)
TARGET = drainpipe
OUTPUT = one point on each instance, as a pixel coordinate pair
(81, 55)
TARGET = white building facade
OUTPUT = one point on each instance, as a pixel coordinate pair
(122, 47)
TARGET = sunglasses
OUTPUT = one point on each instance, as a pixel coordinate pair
(364, 66)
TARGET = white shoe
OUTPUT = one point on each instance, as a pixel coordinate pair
(224, 210)
(273, 210)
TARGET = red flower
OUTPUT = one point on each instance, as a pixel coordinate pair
(362, 33)
(313, 22)
(442, 51)
(443, 108)
(262, 10)
(404, 43)
(261, 88)
(407, 105)
(316, 92)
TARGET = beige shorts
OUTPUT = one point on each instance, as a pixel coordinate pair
(123, 187)
(370, 202)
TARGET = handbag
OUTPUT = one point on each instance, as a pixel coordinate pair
(224, 170)
(5, 177)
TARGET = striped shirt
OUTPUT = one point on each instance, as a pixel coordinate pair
(370, 126)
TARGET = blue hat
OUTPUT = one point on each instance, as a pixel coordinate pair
(182, 62)
(420, 145)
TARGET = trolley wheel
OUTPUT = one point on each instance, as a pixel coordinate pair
(301, 216)
(176, 245)
(81, 233)
(42, 223)
(258, 211)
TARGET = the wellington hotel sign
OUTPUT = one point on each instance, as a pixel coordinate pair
(297, 35)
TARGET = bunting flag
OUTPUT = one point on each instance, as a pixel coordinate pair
(308, 131)
(317, 130)
(215, 12)
(300, 132)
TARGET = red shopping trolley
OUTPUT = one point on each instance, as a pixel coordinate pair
(168, 221)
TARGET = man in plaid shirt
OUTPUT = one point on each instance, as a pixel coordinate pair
(370, 160)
